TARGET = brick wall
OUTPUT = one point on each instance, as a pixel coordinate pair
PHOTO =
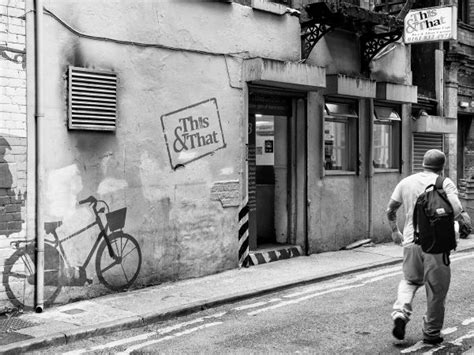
(12, 129)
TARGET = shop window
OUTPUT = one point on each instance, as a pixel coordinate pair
(386, 137)
(340, 136)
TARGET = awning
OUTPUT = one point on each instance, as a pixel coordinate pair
(281, 74)
(386, 114)
(339, 110)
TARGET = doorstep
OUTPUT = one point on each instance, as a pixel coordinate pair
(274, 252)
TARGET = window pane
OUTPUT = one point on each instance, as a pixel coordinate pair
(383, 155)
(335, 145)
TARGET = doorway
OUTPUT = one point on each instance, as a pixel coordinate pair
(270, 176)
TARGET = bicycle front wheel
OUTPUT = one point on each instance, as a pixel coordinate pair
(19, 277)
(119, 272)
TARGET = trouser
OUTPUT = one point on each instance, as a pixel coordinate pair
(420, 268)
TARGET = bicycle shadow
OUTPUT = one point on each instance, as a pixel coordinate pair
(115, 258)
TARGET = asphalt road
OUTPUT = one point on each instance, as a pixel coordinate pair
(347, 315)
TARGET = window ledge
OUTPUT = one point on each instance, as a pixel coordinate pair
(338, 173)
(386, 170)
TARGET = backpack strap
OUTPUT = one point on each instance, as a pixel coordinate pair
(439, 182)
(446, 259)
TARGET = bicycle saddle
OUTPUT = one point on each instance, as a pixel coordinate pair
(50, 227)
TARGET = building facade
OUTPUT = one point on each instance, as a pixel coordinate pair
(167, 140)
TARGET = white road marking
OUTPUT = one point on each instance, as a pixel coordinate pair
(342, 282)
(467, 321)
(304, 298)
(307, 297)
(449, 330)
(172, 328)
(216, 315)
(111, 344)
(459, 340)
(156, 341)
(256, 304)
(457, 257)
(145, 336)
(415, 347)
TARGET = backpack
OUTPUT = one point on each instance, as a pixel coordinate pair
(433, 221)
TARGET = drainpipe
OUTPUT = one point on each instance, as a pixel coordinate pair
(370, 169)
(39, 114)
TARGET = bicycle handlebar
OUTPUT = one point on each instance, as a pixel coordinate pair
(90, 199)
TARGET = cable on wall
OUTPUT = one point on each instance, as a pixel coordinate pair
(241, 55)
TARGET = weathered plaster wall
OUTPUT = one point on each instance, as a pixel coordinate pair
(340, 207)
(185, 224)
(12, 132)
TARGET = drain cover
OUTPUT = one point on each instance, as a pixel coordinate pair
(12, 324)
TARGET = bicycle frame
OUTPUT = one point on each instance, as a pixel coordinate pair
(103, 233)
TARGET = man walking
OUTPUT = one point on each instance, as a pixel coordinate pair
(420, 268)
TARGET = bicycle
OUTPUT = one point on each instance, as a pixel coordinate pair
(117, 269)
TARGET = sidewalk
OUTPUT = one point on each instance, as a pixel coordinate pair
(64, 324)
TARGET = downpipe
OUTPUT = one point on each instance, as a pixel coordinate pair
(370, 173)
(39, 115)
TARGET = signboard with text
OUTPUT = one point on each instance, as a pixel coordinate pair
(192, 132)
(430, 24)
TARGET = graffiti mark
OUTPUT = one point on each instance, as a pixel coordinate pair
(117, 263)
(192, 132)
(13, 55)
(10, 201)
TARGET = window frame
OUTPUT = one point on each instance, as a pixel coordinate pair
(351, 120)
(463, 11)
(395, 122)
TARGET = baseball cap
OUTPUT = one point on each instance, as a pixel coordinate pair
(434, 159)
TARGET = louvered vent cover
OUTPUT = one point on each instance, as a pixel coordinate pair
(423, 142)
(92, 99)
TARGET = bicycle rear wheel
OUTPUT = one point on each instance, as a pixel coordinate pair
(19, 277)
(118, 273)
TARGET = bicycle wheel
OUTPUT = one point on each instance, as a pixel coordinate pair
(19, 277)
(119, 273)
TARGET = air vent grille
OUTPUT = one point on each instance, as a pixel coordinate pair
(92, 99)
(423, 142)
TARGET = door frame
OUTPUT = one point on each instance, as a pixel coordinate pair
(297, 165)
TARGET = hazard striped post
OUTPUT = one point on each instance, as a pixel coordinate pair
(244, 234)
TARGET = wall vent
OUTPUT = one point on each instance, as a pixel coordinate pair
(423, 142)
(92, 101)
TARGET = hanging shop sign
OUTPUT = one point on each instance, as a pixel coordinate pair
(193, 132)
(430, 24)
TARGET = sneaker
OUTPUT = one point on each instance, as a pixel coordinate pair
(399, 328)
(433, 341)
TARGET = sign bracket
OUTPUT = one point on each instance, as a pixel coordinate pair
(373, 43)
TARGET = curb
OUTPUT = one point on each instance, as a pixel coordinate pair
(137, 321)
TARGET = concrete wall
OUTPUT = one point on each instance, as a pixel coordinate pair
(12, 131)
(185, 220)
(346, 208)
